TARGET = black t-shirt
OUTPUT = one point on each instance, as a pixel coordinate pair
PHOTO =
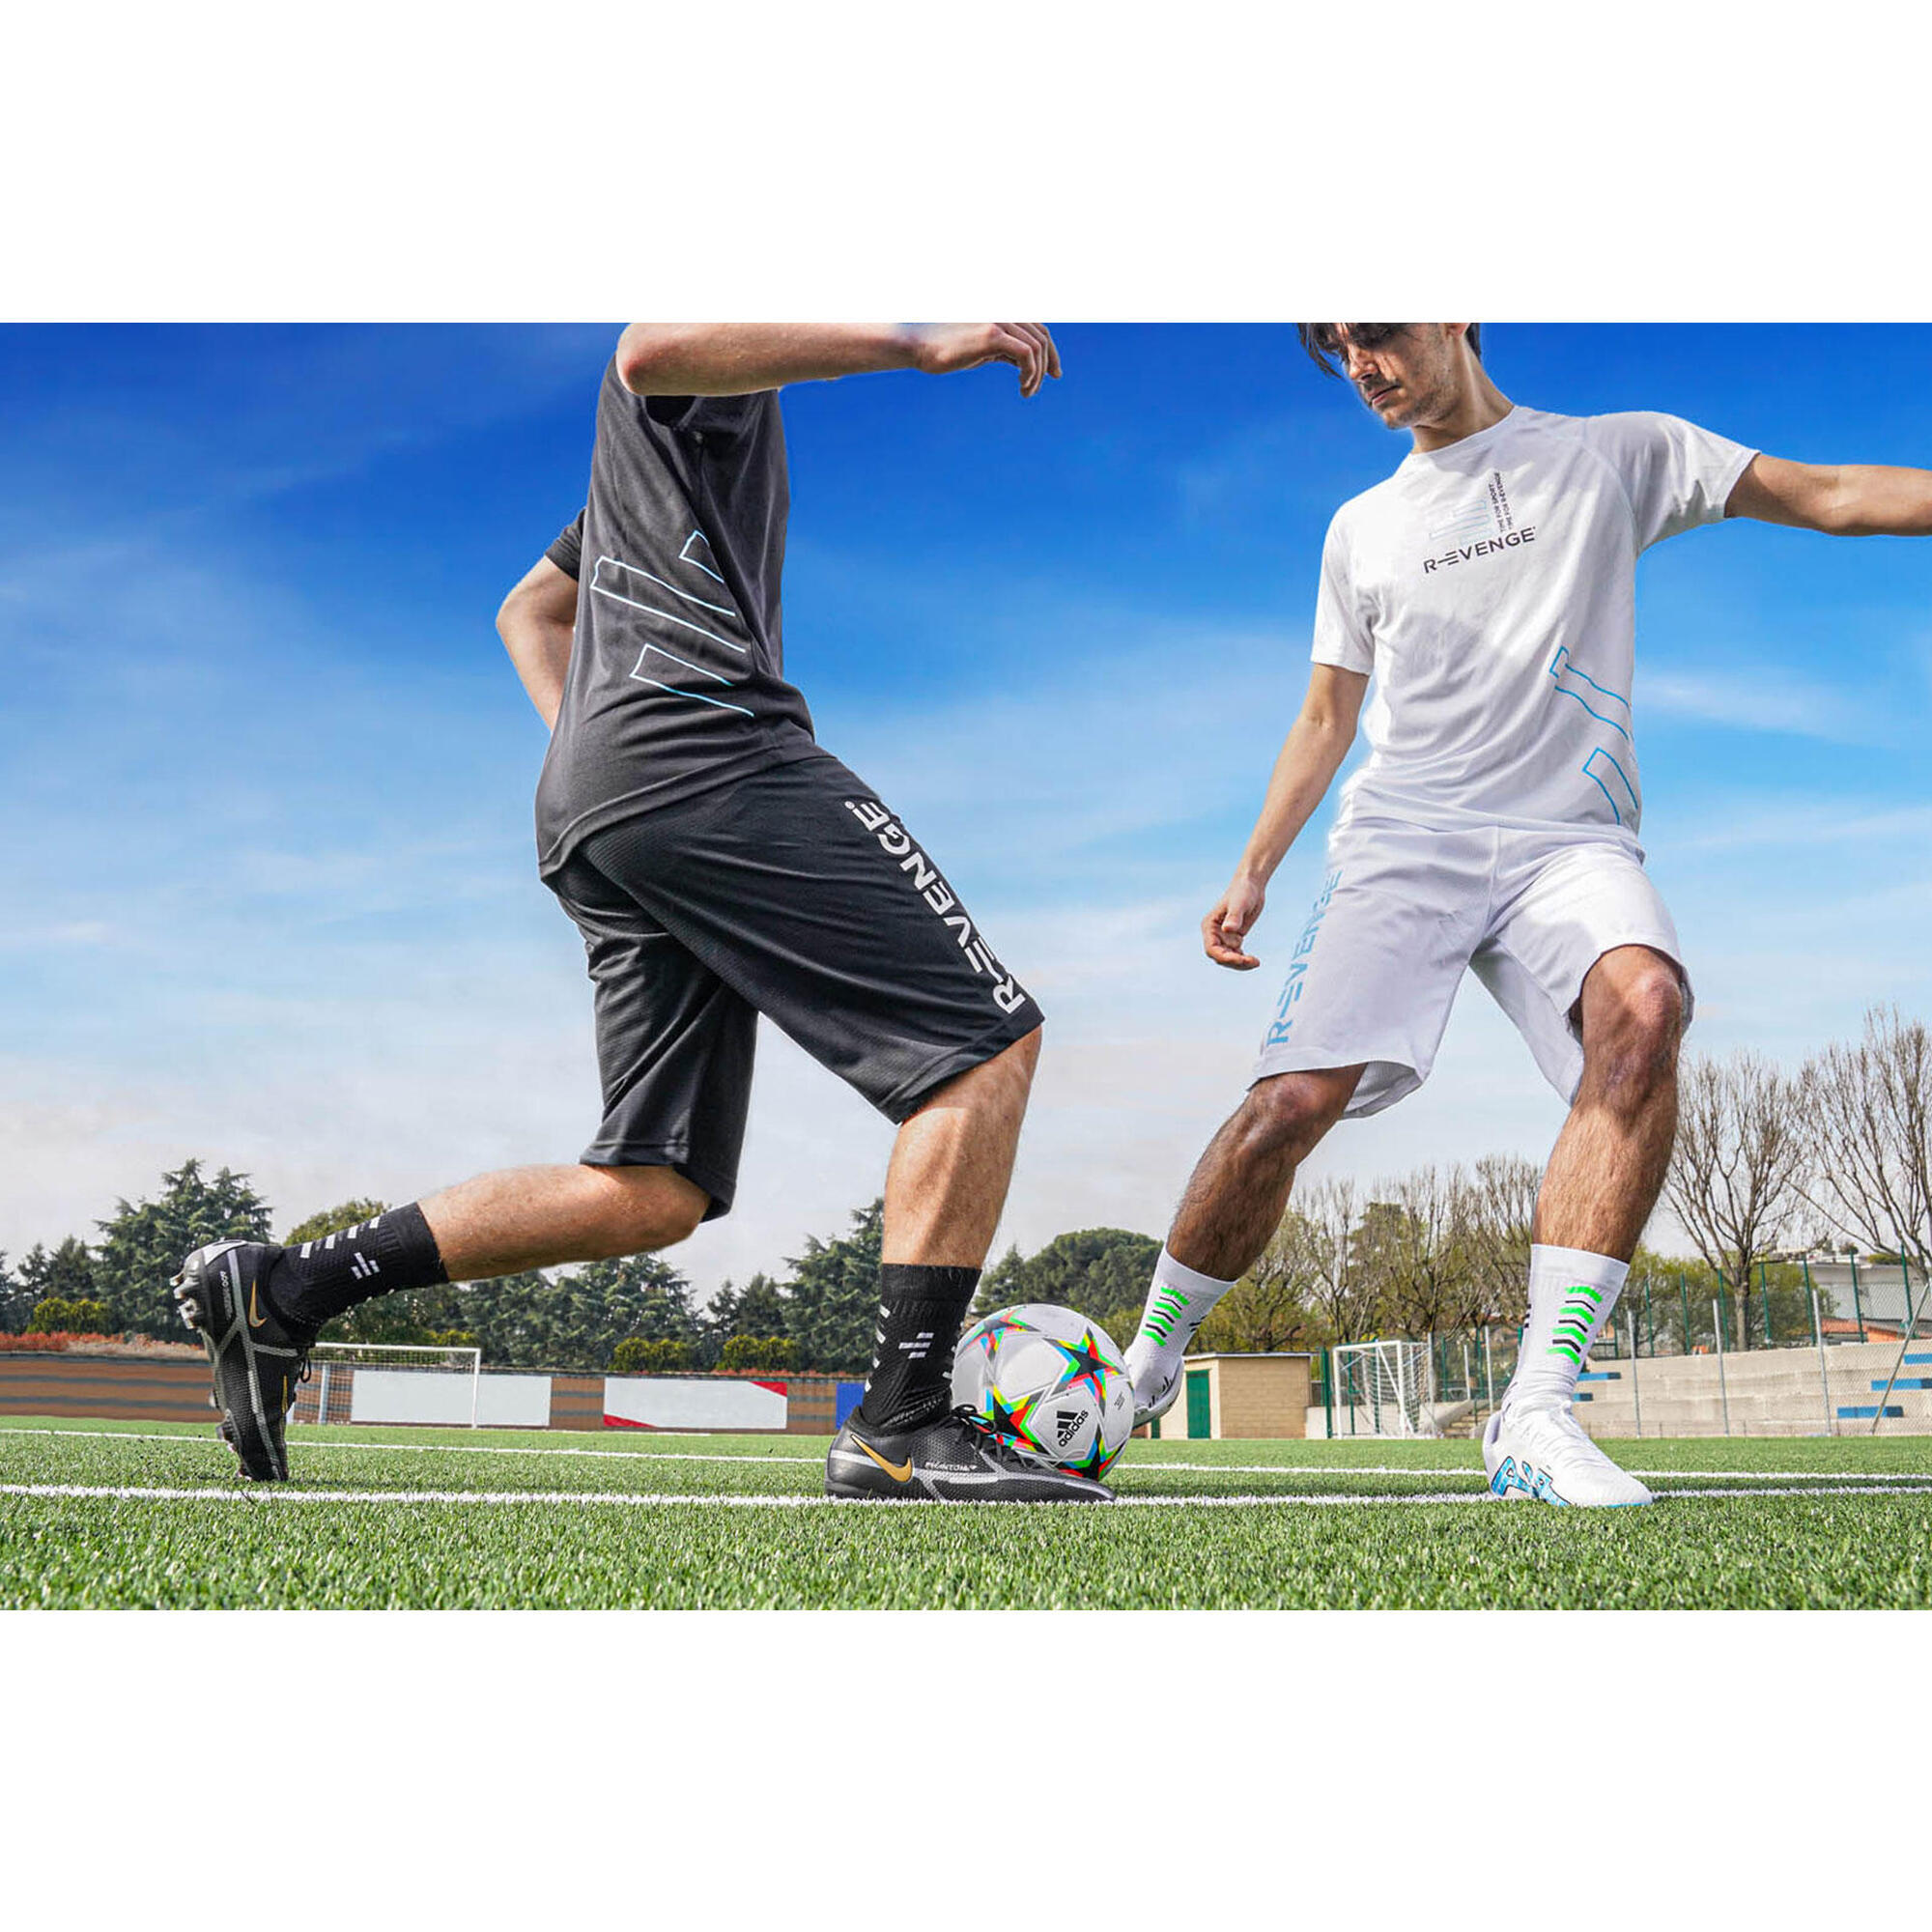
(676, 679)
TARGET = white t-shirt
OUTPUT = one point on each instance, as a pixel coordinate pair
(1490, 589)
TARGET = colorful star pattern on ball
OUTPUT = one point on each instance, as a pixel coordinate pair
(1014, 1418)
(1085, 1363)
(1000, 1325)
(1099, 1458)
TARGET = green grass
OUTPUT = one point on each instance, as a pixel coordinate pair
(338, 1541)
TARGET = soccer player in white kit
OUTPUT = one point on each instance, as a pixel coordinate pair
(1487, 589)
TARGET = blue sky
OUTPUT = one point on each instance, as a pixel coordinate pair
(267, 773)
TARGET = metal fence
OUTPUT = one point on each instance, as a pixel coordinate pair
(1844, 1348)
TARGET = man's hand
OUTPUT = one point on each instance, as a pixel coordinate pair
(941, 348)
(1231, 922)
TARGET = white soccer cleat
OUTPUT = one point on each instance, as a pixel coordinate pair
(1537, 1454)
(1157, 1383)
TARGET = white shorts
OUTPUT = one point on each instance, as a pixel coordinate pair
(1402, 910)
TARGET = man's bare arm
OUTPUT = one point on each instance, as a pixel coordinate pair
(1846, 500)
(536, 623)
(1312, 754)
(661, 358)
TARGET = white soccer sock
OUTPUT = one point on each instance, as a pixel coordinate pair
(1177, 1302)
(1571, 1295)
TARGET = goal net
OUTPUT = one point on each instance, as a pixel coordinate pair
(1384, 1389)
(391, 1382)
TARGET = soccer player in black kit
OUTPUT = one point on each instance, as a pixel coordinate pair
(720, 864)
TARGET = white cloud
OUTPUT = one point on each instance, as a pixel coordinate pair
(1768, 699)
(1805, 822)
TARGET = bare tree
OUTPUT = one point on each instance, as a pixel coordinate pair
(1409, 1241)
(1869, 1111)
(1739, 1165)
(1494, 1212)
(1276, 1304)
(1326, 1223)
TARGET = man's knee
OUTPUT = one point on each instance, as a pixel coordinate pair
(649, 1207)
(1286, 1114)
(992, 1082)
(1635, 1023)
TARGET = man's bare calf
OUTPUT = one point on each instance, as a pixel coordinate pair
(1238, 1190)
(1610, 1161)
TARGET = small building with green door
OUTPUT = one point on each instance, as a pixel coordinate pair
(1228, 1398)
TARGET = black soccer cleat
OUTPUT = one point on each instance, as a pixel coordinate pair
(257, 1357)
(954, 1458)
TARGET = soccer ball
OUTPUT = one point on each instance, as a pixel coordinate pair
(1050, 1380)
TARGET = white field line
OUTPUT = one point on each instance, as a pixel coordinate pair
(629, 1499)
(438, 1448)
(813, 1462)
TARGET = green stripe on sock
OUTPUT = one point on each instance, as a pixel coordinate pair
(1163, 1312)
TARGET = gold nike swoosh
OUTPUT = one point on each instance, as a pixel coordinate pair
(900, 1472)
(255, 1316)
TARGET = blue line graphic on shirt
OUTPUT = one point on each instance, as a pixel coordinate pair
(1298, 966)
(643, 591)
(1609, 709)
(1475, 522)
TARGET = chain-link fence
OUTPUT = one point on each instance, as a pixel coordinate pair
(1837, 1347)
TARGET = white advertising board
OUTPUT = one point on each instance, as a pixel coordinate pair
(434, 1395)
(697, 1402)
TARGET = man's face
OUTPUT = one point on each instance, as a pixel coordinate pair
(1407, 372)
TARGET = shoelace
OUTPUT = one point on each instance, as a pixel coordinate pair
(1002, 1447)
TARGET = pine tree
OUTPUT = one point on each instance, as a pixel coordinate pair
(14, 1303)
(640, 1295)
(142, 1246)
(758, 1309)
(576, 1319)
(833, 1296)
(1099, 1273)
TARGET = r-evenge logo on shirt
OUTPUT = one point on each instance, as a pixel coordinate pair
(1494, 512)
(1485, 546)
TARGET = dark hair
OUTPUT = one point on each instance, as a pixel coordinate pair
(1319, 339)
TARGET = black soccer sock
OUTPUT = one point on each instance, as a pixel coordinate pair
(324, 1277)
(920, 1313)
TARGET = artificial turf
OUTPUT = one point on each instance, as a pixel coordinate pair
(417, 1519)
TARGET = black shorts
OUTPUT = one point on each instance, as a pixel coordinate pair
(795, 893)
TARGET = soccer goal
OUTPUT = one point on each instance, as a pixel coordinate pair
(391, 1382)
(1384, 1389)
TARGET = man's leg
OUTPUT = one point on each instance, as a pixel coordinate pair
(1607, 1167)
(531, 1217)
(816, 907)
(945, 1189)
(1600, 1187)
(952, 1162)
(1233, 1203)
(259, 1306)
(674, 1048)
(521, 1217)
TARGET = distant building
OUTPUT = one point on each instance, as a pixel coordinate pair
(1852, 1290)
